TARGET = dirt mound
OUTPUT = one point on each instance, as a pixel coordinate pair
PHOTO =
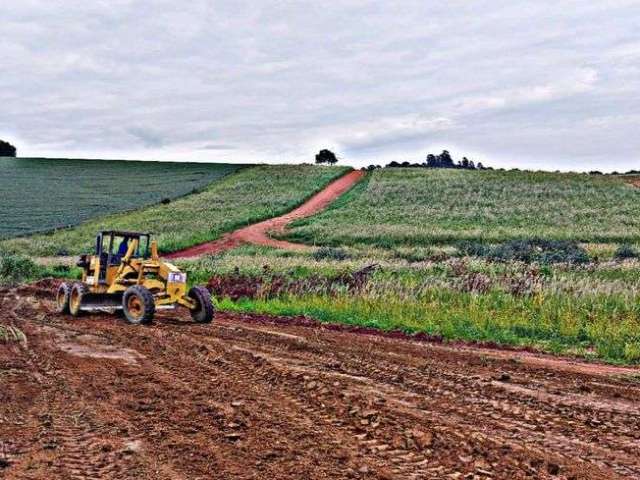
(45, 288)
(261, 397)
(258, 234)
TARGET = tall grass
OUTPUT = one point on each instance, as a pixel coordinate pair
(250, 195)
(603, 328)
(592, 310)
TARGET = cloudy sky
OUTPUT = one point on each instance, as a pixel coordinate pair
(535, 84)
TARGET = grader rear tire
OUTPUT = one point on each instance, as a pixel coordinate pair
(138, 305)
(62, 298)
(78, 291)
(203, 313)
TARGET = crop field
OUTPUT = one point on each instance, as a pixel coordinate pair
(418, 207)
(43, 194)
(247, 196)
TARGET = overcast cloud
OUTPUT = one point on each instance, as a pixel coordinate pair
(538, 84)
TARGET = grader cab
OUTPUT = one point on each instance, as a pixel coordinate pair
(126, 274)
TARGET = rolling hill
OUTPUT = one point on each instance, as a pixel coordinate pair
(249, 195)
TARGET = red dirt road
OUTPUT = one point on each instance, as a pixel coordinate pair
(257, 233)
(252, 397)
(635, 181)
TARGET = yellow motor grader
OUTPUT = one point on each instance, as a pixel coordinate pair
(126, 274)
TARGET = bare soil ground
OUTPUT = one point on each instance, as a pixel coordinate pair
(254, 397)
(257, 233)
(635, 181)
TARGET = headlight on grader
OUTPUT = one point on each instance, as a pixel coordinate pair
(177, 277)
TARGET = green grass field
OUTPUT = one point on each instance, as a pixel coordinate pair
(417, 207)
(247, 196)
(41, 194)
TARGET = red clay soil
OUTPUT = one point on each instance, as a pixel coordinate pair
(257, 233)
(254, 397)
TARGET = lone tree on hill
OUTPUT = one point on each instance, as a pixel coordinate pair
(6, 149)
(326, 156)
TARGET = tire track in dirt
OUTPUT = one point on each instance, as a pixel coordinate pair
(518, 428)
(247, 372)
(258, 233)
(248, 397)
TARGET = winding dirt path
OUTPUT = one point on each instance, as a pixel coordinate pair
(258, 233)
(257, 397)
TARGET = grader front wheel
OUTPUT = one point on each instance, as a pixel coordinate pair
(203, 312)
(78, 290)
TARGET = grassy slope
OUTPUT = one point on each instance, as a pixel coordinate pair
(415, 207)
(44, 194)
(247, 196)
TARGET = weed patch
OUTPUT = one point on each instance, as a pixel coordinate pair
(238, 286)
(532, 250)
(10, 334)
(626, 251)
(585, 309)
(330, 253)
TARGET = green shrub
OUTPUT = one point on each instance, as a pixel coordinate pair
(626, 251)
(473, 249)
(529, 250)
(414, 255)
(330, 253)
(16, 268)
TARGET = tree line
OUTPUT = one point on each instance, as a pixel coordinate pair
(443, 160)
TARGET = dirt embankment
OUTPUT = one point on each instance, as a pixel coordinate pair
(254, 397)
(258, 233)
